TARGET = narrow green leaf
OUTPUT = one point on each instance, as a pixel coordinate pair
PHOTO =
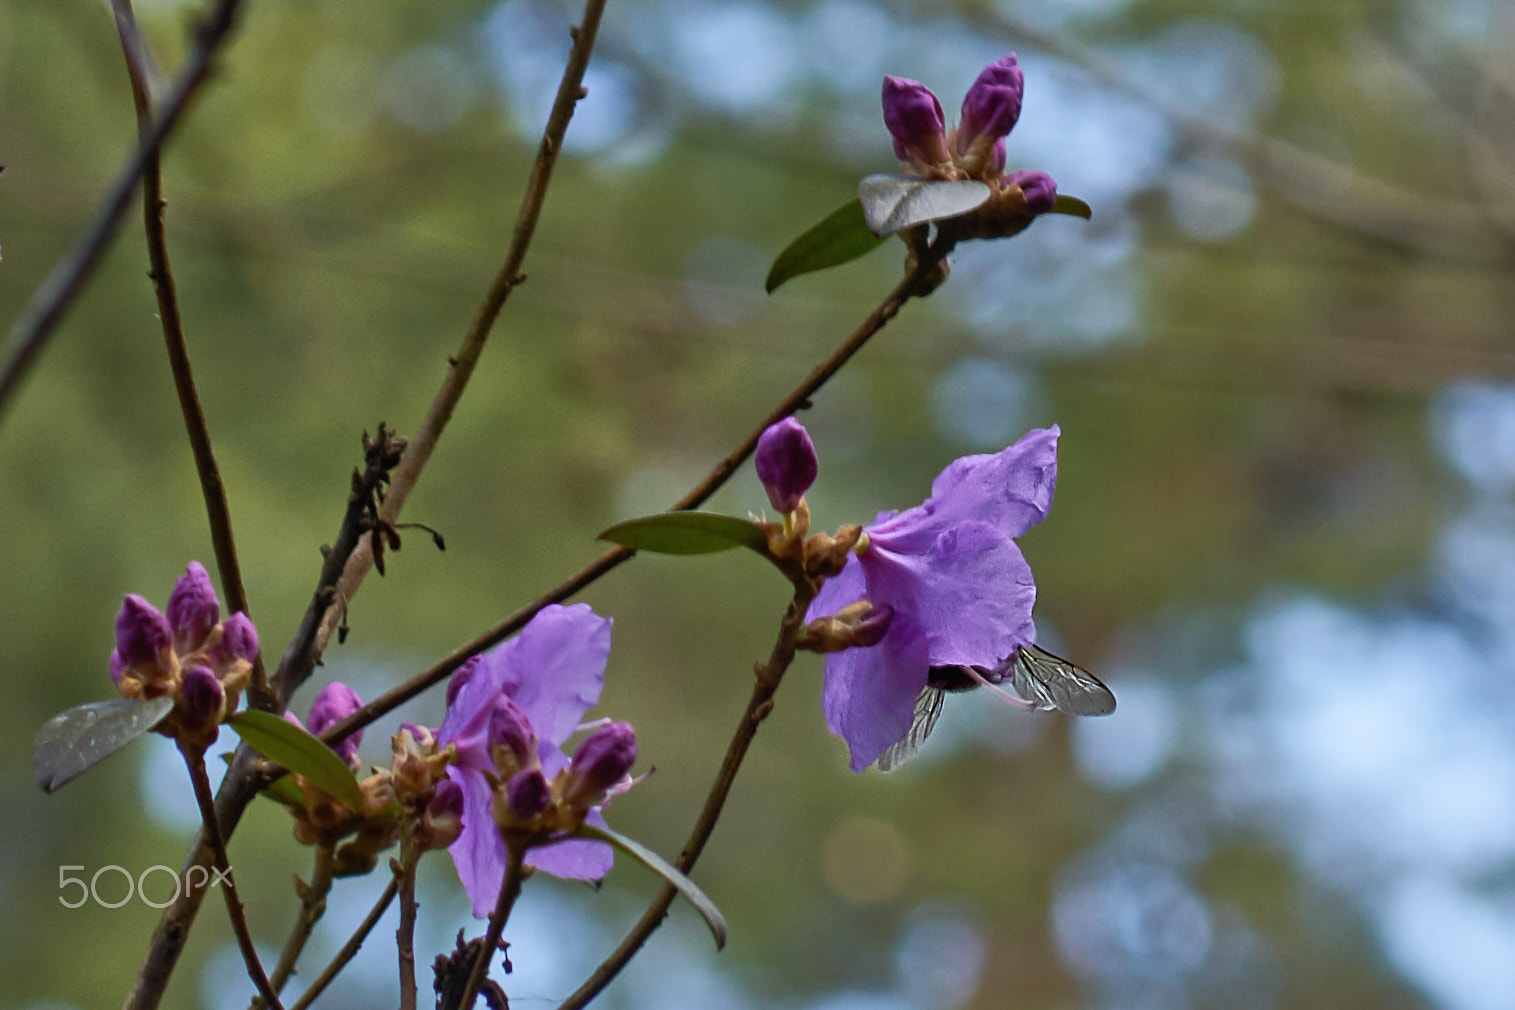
(1072, 206)
(283, 742)
(284, 790)
(73, 741)
(654, 862)
(840, 237)
(687, 533)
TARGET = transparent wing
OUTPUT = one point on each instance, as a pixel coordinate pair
(928, 709)
(1051, 682)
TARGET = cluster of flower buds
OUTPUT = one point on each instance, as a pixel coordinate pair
(189, 654)
(974, 149)
(323, 819)
(432, 801)
(529, 805)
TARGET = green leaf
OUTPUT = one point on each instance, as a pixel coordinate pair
(840, 237)
(654, 862)
(687, 533)
(283, 742)
(80, 738)
(285, 790)
(892, 202)
(1072, 206)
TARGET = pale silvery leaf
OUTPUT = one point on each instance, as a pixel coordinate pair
(72, 741)
(892, 202)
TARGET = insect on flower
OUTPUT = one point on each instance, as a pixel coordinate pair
(1042, 682)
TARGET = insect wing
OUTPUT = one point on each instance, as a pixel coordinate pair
(928, 709)
(1051, 682)
(71, 742)
(893, 202)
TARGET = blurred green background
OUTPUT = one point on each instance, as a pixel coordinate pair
(1280, 355)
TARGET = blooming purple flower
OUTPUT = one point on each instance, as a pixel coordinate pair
(786, 464)
(553, 672)
(960, 589)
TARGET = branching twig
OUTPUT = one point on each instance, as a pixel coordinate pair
(798, 398)
(139, 67)
(510, 890)
(349, 949)
(52, 299)
(768, 677)
(405, 873)
(312, 907)
(194, 759)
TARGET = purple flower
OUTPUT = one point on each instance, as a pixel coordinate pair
(961, 591)
(143, 637)
(553, 671)
(193, 609)
(786, 463)
(914, 118)
(1039, 188)
(336, 702)
(202, 701)
(239, 640)
(601, 765)
(991, 108)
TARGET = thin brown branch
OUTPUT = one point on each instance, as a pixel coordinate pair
(798, 398)
(570, 90)
(139, 66)
(405, 936)
(51, 301)
(312, 907)
(510, 890)
(769, 675)
(194, 758)
(349, 949)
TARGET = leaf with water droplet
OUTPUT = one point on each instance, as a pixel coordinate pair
(73, 741)
(892, 202)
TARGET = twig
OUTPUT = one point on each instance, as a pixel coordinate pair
(570, 90)
(349, 949)
(51, 301)
(768, 677)
(797, 398)
(312, 907)
(139, 67)
(194, 758)
(510, 890)
(405, 873)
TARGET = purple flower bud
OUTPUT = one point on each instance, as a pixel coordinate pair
(786, 463)
(193, 609)
(335, 702)
(420, 734)
(116, 667)
(142, 634)
(510, 728)
(601, 763)
(201, 699)
(239, 640)
(914, 118)
(461, 676)
(992, 105)
(444, 814)
(1039, 188)
(528, 793)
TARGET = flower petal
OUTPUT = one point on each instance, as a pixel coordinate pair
(554, 669)
(576, 858)
(970, 593)
(869, 698)
(479, 854)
